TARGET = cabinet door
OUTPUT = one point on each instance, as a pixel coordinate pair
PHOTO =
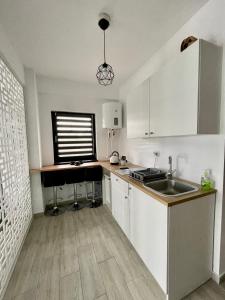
(125, 225)
(116, 202)
(107, 190)
(148, 233)
(174, 96)
(120, 202)
(138, 111)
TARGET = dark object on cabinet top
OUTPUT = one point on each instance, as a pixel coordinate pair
(187, 42)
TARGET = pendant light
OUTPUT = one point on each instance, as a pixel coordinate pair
(105, 72)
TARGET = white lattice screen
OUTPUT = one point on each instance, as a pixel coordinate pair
(15, 199)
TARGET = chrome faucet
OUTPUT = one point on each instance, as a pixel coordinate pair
(170, 171)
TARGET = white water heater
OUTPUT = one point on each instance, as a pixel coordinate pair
(112, 115)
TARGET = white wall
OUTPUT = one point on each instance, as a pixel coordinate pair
(65, 95)
(33, 138)
(33, 120)
(191, 154)
(10, 56)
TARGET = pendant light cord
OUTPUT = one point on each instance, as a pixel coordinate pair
(104, 48)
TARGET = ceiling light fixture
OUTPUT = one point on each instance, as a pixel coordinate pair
(105, 74)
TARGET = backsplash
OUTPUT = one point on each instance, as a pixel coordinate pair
(191, 154)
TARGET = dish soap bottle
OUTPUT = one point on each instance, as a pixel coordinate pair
(207, 183)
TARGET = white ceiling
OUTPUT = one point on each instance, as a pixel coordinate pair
(60, 38)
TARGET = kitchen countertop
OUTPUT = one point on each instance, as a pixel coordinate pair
(50, 168)
(169, 201)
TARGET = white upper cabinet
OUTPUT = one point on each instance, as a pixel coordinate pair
(184, 96)
(138, 112)
(174, 96)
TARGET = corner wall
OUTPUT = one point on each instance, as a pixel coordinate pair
(33, 139)
(55, 94)
(9, 55)
(66, 95)
(191, 154)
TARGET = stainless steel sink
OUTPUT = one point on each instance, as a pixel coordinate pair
(170, 187)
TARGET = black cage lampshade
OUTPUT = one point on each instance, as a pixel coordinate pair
(105, 74)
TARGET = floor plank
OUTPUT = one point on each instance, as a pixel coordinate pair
(121, 253)
(101, 249)
(49, 281)
(70, 287)
(103, 297)
(210, 291)
(114, 280)
(142, 290)
(91, 279)
(84, 255)
(28, 295)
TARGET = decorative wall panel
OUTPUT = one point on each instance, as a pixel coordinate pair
(15, 198)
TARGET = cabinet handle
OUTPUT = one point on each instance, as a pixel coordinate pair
(151, 132)
(146, 133)
(130, 188)
(126, 197)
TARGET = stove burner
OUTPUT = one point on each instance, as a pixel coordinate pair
(148, 174)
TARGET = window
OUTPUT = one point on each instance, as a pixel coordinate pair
(73, 136)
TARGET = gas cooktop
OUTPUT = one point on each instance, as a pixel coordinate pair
(149, 174)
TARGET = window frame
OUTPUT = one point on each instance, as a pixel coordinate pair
(64, 160)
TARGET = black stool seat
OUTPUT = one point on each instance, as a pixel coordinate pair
(53, 178)
(75, 175)
(93, 173)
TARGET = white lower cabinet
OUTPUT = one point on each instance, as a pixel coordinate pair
(120, 202)
(106, 184)
(148, 233)
(190, 245)
(174, 242)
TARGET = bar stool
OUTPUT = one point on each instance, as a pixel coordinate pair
(93, 174)
(74, 177)
(54, 179)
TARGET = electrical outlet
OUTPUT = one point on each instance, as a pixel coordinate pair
(156, 153)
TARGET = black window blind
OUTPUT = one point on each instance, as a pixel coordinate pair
(73, 136)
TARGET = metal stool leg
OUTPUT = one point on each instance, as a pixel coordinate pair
(75, 205)
(55, 207)
(94, 203)
(56, 210)
(86, 190)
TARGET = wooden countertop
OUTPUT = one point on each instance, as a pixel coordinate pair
(169, 201)
(51, 168)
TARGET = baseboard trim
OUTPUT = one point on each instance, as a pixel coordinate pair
(14, 264)
(37, 215)
(218, 278)
(107, 208)
(222, 277)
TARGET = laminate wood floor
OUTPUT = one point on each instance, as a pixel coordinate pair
(84, 255)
